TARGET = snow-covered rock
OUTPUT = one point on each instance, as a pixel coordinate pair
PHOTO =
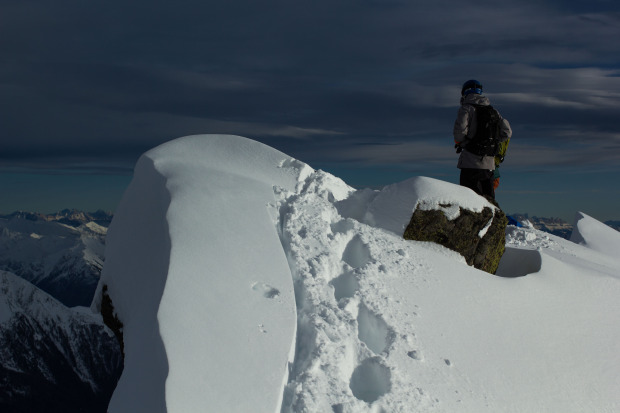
(449, 215)
(246, 281)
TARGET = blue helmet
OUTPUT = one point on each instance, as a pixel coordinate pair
(471, 86)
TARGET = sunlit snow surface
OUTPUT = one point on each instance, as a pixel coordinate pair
(248, 282)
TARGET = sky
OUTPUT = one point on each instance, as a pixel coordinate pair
(367, 90)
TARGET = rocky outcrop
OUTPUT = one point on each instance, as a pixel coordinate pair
(478, 236)
(111, 320)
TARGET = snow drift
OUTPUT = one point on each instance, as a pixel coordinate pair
(246, 281)
(595, 235)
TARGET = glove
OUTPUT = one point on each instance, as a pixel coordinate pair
(458, 148)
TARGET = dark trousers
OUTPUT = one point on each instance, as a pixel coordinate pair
(479, 180)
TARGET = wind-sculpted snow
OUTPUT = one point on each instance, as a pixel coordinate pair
(198, 277)
(249, 282)
(595, 235)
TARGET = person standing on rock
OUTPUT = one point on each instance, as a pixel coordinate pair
(478, 133)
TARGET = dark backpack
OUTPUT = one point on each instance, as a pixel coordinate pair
(486, 139)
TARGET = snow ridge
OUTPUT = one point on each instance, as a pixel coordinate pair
(595, 235)
(272, 262)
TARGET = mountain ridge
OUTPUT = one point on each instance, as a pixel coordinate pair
(60, 253)
(54, 358)
(72, 217)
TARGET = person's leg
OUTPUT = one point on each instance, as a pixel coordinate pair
(469, 178)
(478, 180)
(486, 183)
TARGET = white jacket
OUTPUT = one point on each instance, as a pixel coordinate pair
(465, 130)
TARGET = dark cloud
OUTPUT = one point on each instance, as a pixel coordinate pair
(320, 80)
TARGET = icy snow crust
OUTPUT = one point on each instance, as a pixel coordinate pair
(249, 282)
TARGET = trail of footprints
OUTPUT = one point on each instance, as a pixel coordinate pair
(341, 338)
(371, 379)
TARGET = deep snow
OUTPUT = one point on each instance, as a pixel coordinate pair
(249, 282)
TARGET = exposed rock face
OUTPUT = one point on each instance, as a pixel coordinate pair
(111, 320)
(54, 358)
(477, 236)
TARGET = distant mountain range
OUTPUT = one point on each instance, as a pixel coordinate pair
(555, 226)
(60, 253)
(70, 217)
(54, 358)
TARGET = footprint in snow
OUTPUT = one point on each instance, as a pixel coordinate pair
(370, 380)
(342, 226)
(345, 285)
(356, 253)
(267, 290)
(373, 330)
